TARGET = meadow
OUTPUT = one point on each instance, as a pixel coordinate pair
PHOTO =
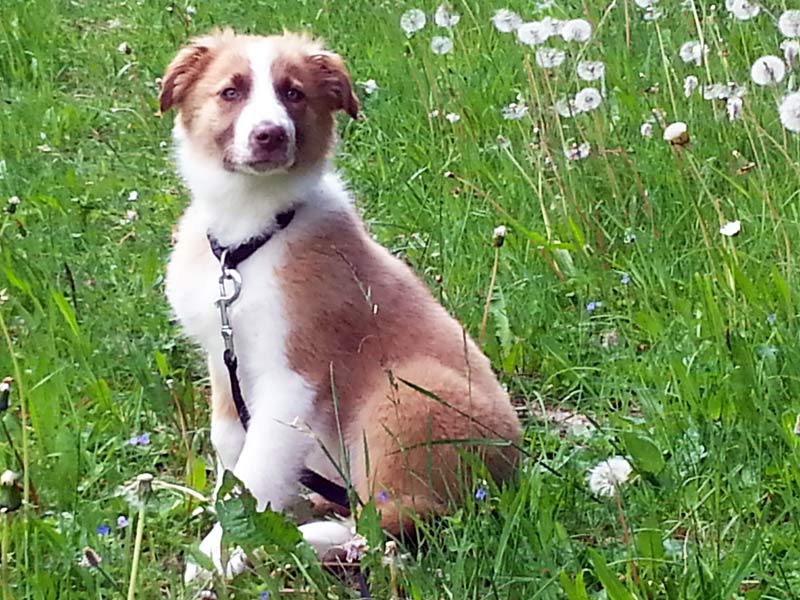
(642, 303)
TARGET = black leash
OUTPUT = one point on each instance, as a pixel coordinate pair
(230, 257)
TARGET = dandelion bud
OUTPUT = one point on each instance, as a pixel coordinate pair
(90, 558)
(5, 392)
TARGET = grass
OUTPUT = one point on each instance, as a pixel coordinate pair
(690, 369)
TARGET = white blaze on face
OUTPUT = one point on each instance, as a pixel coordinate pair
(262, 105)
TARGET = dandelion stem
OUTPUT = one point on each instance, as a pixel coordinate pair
(23, 407)
(489, 297)
(143, 491)
(626, 538)
(4, 558)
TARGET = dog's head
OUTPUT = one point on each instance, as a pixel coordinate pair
(258, 105)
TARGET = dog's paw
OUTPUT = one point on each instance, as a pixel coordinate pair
(211, 546)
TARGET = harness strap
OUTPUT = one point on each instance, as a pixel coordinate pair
(230, 258)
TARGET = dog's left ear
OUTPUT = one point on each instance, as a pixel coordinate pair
(334, 82)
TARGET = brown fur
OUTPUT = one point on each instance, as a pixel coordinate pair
(359, 312)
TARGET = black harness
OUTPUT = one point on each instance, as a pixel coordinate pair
(230, 257)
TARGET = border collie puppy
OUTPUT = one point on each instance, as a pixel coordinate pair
(339, 344)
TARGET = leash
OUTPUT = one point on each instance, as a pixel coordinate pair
(229, 259)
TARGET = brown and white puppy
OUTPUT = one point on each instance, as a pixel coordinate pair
(324, 310)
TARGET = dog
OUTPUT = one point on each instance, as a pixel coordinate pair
(338, 343)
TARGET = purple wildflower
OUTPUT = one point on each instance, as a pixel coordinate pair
(140, 440)
(263, 596)
(626, 279)
(480, 493)
(103, 530)
(771, 318)
(122, 521)
(591, 307)
(382, 496)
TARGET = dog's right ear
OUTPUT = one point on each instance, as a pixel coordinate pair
(184, 71)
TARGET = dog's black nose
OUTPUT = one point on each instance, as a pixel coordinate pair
(269, 137)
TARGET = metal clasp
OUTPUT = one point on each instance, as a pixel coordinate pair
(226, 299)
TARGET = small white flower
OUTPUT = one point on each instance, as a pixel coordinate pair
(355, 548)
(8, 478)
(191, 10)
(452, 117)
(441, 45)
(588, 99)
(515, 111)
(791, 51)
(690, 85)
(444, 18)
(502, 143)
(566, 107)
(646, 3)
(768, 70)
(789, 23)
(412, 21)
(434, 113)
(549, 58)
(578, 152)
(789, 111)
(130, 217)
(133, 196)
(369, 86)
(677, 133)
(607, 477)
(693, 52)
(534, 33)
(734, 108)
(506, 21)
(646, 130)
(576, 30)
(591, 70)
(124, 48)
(731, 228)
(742, 9)
(14, 200)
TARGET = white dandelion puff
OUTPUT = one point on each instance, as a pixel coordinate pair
(444, 18)
(576, 30)
(506, 21)
(646, 130)
(452, 117)
(607, 477)
(578, 151)
(690, 85)
(133, 196)
(441, 45)
(412, 21)
(743, 10)
(566, 107)
(588, 99)
(791, 51)
(549, 58)
(693, 52)
(369, 86)
(768, 70)
(652, 14)
(591, 70)
(731, 228)
(677, 133)
(789, 111)
(534, 33)
(124, 48)
(554, 25)
(646, 3)
(789, 23)
(515, 111)
(733, 106)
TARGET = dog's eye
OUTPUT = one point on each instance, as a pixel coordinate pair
(230, 94)
(294, 95)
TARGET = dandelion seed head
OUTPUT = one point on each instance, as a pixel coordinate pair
(444, 18)
(124, 48)
(676, 133)
(133, 196)
(733, 107)
(412, 21)
(791, 51)
(690, 85)
(789, 23)
(14, 200)
(566, 107)
(693, 52)
(768, 70)
(515, 111)
(452, 117)
(743, 10)
(591, 70)
(652, 14)
(441, 45)
(607, 477)
(550, 58)
(646, 3)
(8, 478)
(731, 228)
(789, 111)
(646, 130)
(576, 30)
(588, 99)
(369, 86)
(554, 25)
(534, 33)
(506, 21)
(578, 151)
